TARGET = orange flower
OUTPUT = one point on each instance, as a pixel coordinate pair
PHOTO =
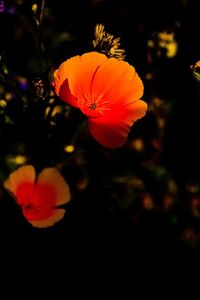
(106, 90)
(39, 198)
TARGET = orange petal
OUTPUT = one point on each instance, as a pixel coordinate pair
(38, 212)
(61, 76)
(57, 215)
(65, 94)
(24, 174)
(117, 81)
(112, 129)
(80, 80)
(24, 193)
(51, 177)
(43, 199)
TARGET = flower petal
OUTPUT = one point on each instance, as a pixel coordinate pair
(112, 130)
(80, 80)
(23, 175)
(25, 193)
(51, 177)
(61, 76)
(117, 81)
(56, 215)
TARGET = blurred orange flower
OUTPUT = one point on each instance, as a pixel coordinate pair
(106, 90)
(39, 198)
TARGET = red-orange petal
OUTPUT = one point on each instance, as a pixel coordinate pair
(52, 178)
(74, 77)
(36, 213)
(44, 196)
(80, 80)
(24, 193)
(25, 174)
(111, 130)
(61, 77)
(55, 215)
(116, 81)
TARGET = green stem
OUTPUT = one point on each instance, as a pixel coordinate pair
(40, 34)
(41, 12)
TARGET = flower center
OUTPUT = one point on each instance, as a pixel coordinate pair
(93, 106)
(28, 206)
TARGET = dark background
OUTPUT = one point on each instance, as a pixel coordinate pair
(109, 240)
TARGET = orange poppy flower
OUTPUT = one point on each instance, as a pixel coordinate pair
(106, 90)
(39, 198)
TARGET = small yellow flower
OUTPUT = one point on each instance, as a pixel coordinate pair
(3, 103)
(167, 41)
(69, 148)
(137, 144)
(34, 8)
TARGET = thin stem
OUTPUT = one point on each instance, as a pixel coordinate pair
(41, 12)
(42, 51)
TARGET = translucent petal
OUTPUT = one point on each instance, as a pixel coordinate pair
(112, 130)
(24, 174)
(56, 215)
(52, 177)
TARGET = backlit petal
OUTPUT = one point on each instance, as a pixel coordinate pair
(44, 196)
(80, 80)
(51, 177)
(56, 215)
(112, 129)
(117, 81)
(24, 193)
(61, 76)
(37, 213)
(24, 174)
